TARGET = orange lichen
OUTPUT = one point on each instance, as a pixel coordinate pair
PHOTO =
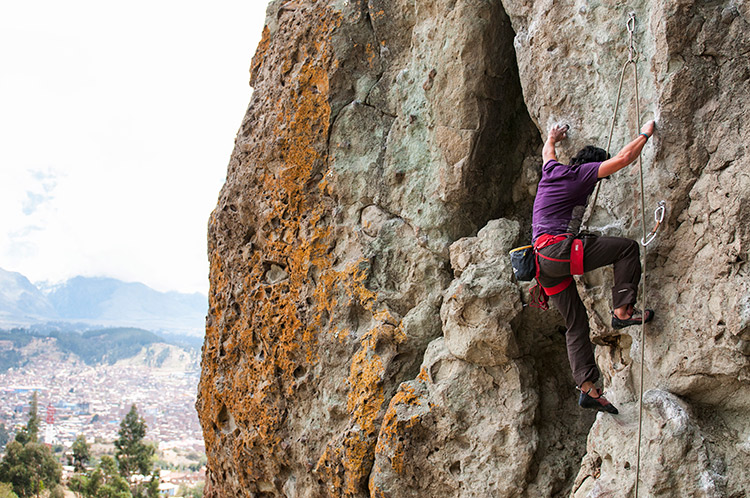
(258, 331)
(262, 330)
(260, 53)
(371, 55)
(393, 428)
(346, 462)
(366, 398)
(424, 375)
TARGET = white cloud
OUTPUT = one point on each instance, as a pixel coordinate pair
(41, 191)
(117, 123)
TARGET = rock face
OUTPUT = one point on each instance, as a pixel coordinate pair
(365, 335)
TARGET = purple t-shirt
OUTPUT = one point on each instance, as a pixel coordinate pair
(562, 196)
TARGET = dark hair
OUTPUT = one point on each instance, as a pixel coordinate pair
(589, 154)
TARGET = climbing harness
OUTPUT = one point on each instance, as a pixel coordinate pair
(539, 294)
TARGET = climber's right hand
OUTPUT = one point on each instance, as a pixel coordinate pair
(648, 128)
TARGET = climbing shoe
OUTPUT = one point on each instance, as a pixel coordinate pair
(598, 403)
(635, 318)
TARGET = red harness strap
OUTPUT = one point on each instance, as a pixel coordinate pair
(556, 289)
(575, 260)
(546, 239)
(576, 257)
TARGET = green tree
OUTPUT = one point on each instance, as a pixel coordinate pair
(114, 486)
(57, 492)
(81, 453)
(108, 467)
(78, 484)
(132, 454)
(87, 484)
(194, 492)
(152, 487)
(147, 489)
(113, 483)
(29, 468)
(4, 437)
(32, 426)
(30, 433)
(102, 482)
(6, 491)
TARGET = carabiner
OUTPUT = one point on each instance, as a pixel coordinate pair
(661, 208)
(632, 52)
(631, 23)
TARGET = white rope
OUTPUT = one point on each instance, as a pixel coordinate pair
(631, 28)
(632, 59)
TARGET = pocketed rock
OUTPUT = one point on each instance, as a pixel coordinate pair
(455, 421)
(676, 458)
(480, 304)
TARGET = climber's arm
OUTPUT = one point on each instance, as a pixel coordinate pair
(628, 154)
(556, 134)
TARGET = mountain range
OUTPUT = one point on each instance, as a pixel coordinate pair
(98, 302)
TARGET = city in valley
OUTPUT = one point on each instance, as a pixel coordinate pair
(75, 398)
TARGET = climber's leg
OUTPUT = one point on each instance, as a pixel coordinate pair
(624, 254)
(580, 350)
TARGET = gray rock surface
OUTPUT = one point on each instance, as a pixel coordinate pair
(459, 420)
(365, 335)
(480, 304)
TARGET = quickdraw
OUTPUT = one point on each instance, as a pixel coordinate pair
(661, 208)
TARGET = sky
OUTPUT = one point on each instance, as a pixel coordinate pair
(117, 121)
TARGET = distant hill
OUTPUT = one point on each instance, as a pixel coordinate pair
(105, 346)
(21, 300)
(135, 347)
(99, 302)
(165, 357)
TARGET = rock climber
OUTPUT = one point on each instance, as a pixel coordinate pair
(561, 199)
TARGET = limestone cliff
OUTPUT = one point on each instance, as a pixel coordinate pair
(365, 335)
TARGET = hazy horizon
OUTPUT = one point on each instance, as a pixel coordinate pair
(118, 124)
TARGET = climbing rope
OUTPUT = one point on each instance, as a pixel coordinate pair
(647, 238)
(633, 57)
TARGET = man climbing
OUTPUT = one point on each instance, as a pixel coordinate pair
(558, 208)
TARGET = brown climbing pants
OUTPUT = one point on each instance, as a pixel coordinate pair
(624, 254)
